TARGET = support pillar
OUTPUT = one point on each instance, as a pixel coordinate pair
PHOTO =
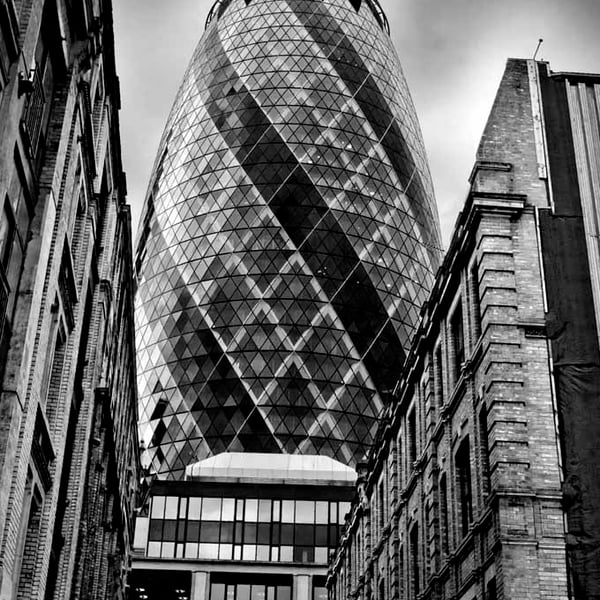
(200, 589)
(302, 587)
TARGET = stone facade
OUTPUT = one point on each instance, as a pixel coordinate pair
(482, 483)
(68, 443)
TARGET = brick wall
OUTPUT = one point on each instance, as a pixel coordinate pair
(71, 331)
(484, 493)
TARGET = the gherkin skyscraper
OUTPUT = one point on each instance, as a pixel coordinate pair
(290, 236)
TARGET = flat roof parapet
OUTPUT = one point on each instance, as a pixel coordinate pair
(250, 467)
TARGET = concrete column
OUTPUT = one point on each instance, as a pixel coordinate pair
(302, 587)
(200, 589)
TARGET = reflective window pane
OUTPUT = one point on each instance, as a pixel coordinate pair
(305, 511)
(287, 511)
(276, 510)
(322, 513)
(264, 511)
(208, 551)
(183, 508)
(195, 505)
(228, 509)
(191, 550)
(258, 592)
(171, 506)
(211, 509)
(321, 555)
(286, 553)
(154, 548)
(344, 508)
(167, 550)
(251, 510)
(217, 591)
(262, 553)
(158, 507)
(243, 591)
(209, 531)
(249, 552)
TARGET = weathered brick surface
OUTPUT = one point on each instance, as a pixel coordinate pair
(70, 329)
(503, 403)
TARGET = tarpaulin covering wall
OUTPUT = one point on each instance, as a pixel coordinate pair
(571, 326)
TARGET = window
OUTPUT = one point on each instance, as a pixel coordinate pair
(400, 465)
(490, 590)
(414, 561)
(32, 536)
(475, 308)
(319, 588)
(36, 112)
(458, 341)
(438, 375)
(53, 359)
(423, 395)
(16, 217)
(401, 571)
(28, 497)
(463, 476)
(98, 102)
(412, 437)
(381, 506)
(484, 450)
(7, 234)
(359, 555)
(443, 508)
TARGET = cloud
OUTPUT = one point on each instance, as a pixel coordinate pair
(453, 53)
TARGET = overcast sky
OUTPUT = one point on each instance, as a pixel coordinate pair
(453, 54)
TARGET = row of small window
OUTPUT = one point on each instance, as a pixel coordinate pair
(456, 347)
(462, 490)
(417, 571)
(250, 552)
(303, 534)
(249, 510)
(455, 357)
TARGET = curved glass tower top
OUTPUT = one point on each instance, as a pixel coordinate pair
(220, 6)
(289, 240)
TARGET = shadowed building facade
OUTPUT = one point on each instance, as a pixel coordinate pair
(289, 238)
(68, 401)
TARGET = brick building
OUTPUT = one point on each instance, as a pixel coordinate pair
(68, 443)
(484, 481)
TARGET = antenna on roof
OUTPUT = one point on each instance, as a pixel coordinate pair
(540, 41)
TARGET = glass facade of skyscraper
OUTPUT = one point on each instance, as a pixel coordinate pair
(289, 238)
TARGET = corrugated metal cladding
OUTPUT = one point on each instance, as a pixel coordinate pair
(290, 238)
(584, 108)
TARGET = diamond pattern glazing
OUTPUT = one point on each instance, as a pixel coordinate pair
(289, 239)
